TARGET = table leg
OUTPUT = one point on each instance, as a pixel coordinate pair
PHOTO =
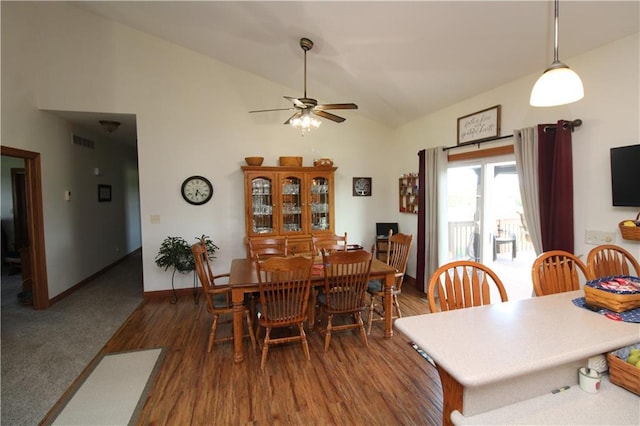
(237, 297)
(451, 395)
(389, 281)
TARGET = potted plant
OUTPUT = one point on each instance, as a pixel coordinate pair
(175, 252)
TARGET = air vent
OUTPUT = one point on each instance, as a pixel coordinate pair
(87, 143)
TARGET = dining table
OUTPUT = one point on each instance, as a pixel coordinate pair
(498, 355)
(243, 279)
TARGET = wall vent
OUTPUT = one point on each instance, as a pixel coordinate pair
(87, 143)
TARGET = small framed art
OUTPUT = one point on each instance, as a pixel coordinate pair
(361, 186)
(104, 193)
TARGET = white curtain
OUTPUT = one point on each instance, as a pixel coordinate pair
(436, 208)
(526, 153)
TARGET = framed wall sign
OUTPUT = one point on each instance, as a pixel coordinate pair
(104, 193)
(361, 186)
(479, 126)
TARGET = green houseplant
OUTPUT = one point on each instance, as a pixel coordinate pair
(175, 252)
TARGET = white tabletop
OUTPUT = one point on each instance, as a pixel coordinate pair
(487, 344)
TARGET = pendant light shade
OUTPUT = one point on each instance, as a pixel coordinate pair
(558, 85)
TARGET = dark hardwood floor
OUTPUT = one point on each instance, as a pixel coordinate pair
(387, 384)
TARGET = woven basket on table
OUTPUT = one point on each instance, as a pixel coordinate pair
(622, 373)
(630, 232)
(612, 301)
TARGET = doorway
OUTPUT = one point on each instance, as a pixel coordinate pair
(27, 205)
(485, 222)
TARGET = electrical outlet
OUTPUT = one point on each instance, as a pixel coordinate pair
(599, 237)
(598, 363)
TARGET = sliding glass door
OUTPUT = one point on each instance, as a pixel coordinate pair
(485, 221)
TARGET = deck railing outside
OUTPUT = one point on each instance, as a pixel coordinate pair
(464, 243)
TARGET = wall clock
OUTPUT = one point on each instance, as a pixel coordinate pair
(197, 190)
(361, 186)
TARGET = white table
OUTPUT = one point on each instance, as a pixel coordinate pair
(613, 405)
(496, 355)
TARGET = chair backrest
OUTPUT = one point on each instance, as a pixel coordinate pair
(329, 242)
(284, 284)
(205, 273)
(463, 284)
(608, 259)
(301, 247)
(346, 277)
(264, 247)
(398, 249)
(557, 271)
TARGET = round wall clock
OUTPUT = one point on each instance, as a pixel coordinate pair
(197, 190)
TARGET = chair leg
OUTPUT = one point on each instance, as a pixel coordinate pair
(397, 305)
(212, 335)
(362, 332)
(265, 347)
(370, 319)
(250, 327)
(327, 334)
(305, 345)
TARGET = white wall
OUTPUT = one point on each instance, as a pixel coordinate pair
(192, 119)
(611, 117)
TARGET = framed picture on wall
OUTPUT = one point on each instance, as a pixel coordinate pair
(361, 186)
(104, 193)
(479, 126)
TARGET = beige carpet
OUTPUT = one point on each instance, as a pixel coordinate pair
(113, 391)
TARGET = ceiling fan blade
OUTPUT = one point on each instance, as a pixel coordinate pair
(297, 102)
(277, 109)
(324, 107)
(329, 116)
(296, 115)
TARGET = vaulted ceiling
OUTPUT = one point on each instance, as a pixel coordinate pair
(398, 60)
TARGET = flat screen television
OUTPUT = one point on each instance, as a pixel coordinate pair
(625, 175)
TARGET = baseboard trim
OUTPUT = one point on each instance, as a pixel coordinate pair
(168, 294)
(85, 281)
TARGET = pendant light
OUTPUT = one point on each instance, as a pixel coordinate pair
(558, 85)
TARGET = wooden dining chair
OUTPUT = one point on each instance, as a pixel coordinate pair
(262, 248)
(301, 246)
(329, 242)
(398, 247)
(463, 284)
(557, 271)
(346, 276)
(284, 284)
(607, 260)
(218, 296)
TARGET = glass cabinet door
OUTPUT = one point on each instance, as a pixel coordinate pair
(262, 205)
(320, 204)
(291, 204)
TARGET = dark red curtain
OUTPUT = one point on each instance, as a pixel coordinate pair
(420, 279)
(555, 171)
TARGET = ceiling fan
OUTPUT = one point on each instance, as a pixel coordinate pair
(305, 106)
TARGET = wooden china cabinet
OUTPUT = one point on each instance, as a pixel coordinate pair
(288, 201)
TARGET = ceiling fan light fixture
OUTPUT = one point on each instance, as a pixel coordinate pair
(558, 84)
(305, 123)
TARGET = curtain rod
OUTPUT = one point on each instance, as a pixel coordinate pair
(497, 138)
(566, 125)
